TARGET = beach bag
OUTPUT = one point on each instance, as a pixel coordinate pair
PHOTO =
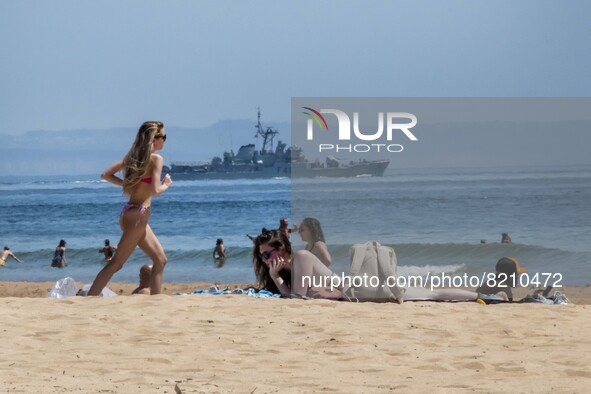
(63, 288)
(372, 264)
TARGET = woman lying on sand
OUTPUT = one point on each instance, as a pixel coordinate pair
(276, 266)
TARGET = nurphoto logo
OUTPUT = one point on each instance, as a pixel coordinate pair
(395, 121)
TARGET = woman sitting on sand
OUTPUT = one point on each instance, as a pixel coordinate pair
(280, 271)
(145, 275)
(311, 232)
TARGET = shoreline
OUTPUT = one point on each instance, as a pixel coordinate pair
(579, 295)
(21, 289)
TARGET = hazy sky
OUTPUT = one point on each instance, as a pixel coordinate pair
(101, 64)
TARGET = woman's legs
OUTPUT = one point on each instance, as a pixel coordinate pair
(133, 223)
(151, 246)
(308, 271)
(423, 294)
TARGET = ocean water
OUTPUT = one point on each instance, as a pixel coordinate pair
(434, 218)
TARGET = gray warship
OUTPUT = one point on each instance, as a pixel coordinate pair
(281, 162)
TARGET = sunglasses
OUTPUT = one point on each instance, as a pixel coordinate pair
(275, 245)
(267, 255)
(161, 136)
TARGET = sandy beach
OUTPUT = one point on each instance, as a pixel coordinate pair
(235, 343)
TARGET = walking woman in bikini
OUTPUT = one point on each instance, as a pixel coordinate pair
(142, 169)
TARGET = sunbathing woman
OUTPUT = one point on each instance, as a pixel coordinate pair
(142, 169)
(279, 271)
(275, 265)
(311, 232)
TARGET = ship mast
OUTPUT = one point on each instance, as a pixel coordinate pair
(268, 134)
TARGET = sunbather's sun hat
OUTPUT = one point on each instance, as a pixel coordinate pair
(509, 265)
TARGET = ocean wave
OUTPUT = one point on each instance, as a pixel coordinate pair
(411, 254)
(91, 256)
(412, 259)
(477, 258)
(93, 181)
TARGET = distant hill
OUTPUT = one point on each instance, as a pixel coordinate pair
(486, 144)
(73, 152)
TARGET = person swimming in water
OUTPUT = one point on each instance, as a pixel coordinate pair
(5, 255)
(506, 239)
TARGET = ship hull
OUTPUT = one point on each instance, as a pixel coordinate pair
(374, 168)
(297, 170)
(254, 173)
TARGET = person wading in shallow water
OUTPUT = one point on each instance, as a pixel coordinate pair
(5, 254)
(506, 239)
(59, 256)
(108, 250)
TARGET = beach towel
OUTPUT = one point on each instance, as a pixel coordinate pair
(372, 260)
(250, 291)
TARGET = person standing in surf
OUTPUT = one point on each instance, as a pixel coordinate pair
(108, 250)
(142, 169)
(59, 255)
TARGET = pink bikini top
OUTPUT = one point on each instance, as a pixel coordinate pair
(146, 180)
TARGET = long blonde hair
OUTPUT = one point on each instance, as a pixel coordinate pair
(137, 160)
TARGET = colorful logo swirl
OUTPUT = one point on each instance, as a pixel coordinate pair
(317, 117)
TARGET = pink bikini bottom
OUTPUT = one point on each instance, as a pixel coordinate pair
(139, 207)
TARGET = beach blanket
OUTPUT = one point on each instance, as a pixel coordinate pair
(251, 292)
